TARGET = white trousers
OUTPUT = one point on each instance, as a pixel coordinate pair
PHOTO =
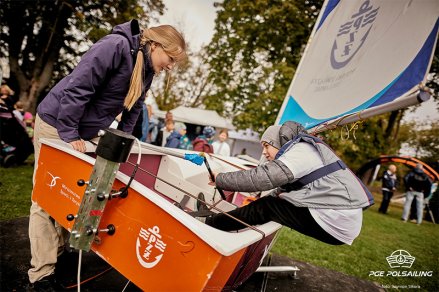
(47, 237)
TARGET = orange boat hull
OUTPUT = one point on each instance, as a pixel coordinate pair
(151, 248)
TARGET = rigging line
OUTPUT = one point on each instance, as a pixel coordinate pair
(196, 198)
(89, 279)
(228, 162)
(79, 270)
(355, 127)
(337, 122)
(124, 288)
(344, 128)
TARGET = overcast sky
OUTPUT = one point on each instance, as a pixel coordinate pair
(196, 18)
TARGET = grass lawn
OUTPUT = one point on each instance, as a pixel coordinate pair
(380, 237)
(15, 190)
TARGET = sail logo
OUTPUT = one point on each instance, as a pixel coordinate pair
(53, 181)
(352, 35)
(150, 247)
(400, 259)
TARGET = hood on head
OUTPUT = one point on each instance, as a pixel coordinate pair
(289, 130)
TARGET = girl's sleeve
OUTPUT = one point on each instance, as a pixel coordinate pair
(86, 81)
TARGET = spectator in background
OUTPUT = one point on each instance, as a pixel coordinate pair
(203, 142)
(174, 140)
(19, 111)
(417, 184)
(169, 116)
(389, 183)
(185, 142)
(152, 131)
(7, 98)
(162, 122)
(146, 114)
(28, 120)
(221, 146)
(164, 133)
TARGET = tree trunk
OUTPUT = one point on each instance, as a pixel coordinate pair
(391, 125)
(33, 76)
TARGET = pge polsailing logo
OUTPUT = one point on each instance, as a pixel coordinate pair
(400, 259)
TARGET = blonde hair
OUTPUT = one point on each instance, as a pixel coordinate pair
(8, 89)
(173, 44)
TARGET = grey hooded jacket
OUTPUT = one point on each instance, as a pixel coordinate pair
(338, 190)
(89, 99)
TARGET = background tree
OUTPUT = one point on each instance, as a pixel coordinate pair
(422, 139)
(253, 55)
(360, 142)
(187, 86)
(433, 77)
(43, 40)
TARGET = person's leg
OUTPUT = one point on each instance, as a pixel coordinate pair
(275, 209)
(385, 203)
(45, 238)
(419, 206)
(380, 209)
(145, 124)
(388, 199)
(153, 133)
(44, 242)
(407, 205)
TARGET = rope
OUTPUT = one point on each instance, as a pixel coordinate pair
(79, 270)
(89, 279)
(124, 288)
(228, 162)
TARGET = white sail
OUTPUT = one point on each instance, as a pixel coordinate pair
(361, 55)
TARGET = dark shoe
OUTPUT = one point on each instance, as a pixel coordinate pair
(202, 209)
(65, 263)
(201, 203)
(46, 284)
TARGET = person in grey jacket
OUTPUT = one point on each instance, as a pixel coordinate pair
(112, 77)
(313, 190)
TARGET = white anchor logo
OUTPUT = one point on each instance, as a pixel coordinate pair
(53, 182)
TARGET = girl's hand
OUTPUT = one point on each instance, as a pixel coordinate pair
(78, 145)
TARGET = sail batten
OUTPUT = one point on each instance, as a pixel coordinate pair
(361, 55)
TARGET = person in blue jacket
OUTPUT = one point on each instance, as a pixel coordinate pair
(112, 77)
(175, 140)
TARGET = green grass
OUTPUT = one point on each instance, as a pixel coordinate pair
(15, 190)
(381, 235)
